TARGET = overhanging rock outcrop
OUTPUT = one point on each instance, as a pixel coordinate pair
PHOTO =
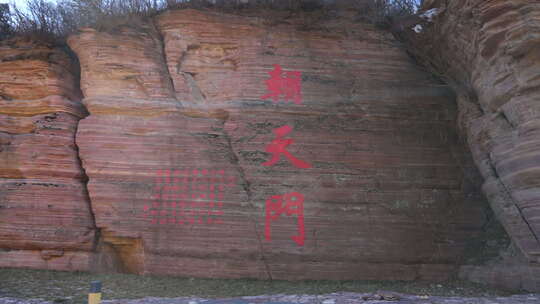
(490, 52)
(230, 146)
(45, 218)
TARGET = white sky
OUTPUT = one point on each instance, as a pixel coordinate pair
(20, 3)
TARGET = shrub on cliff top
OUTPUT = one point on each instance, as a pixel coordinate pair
(45, 19)
(5, 27)
(56, 20)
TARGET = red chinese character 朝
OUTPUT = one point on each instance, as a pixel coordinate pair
(286, 85)
(294, 205)
(279, 146)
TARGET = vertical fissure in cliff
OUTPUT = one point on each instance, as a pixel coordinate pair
(164, 57)
(247, 188)
(509, 198)
(84, 177)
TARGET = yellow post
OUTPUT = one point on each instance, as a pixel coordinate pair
(94, 297)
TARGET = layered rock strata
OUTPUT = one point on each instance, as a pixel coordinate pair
(230, 146)
(490, 52)
(45, 218)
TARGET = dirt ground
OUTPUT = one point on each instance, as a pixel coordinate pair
(22, 286)
(334, 298)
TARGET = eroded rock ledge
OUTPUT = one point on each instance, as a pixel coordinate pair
(490, 52)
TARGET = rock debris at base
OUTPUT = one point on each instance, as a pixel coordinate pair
(334, 298)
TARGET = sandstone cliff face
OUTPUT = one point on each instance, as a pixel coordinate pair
(367, 182)
(45, 219)
(490, 51)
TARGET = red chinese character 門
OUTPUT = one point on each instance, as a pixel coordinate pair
(279, 146)
(284, 84)
(294, 205)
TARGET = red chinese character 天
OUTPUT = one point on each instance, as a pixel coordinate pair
(279, 145)
(294, 205)
(284, 84)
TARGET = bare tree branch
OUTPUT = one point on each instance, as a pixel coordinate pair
(55, 21)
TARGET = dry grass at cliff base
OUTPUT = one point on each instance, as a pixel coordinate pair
(72, 287)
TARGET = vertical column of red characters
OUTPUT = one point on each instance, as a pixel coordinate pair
(285, 85)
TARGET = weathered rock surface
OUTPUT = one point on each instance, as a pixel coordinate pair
(33, 70)
(45, 219)
(490, 51)
(178, 135)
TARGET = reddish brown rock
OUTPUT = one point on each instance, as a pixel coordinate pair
(138, 70)
(490, 51)
(44, 204)
(385, 197)
(68, 261)
(34, 70)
